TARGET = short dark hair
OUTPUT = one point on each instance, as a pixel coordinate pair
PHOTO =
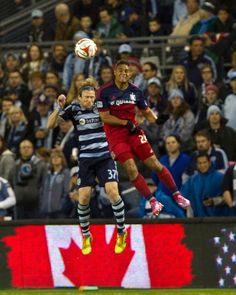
(154, 19)
(196, 38)
(152, 65)
(203, 133)
(121, 62)
(177, 137)
(105, 8)
(203, 154)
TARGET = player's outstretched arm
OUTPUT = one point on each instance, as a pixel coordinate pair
(53, 118)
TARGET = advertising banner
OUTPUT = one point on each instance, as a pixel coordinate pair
(157, 256)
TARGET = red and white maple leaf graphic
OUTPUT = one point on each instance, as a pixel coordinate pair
(96, 268)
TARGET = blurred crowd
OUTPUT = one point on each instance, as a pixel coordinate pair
(195, 102)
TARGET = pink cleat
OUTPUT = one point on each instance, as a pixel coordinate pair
(181, 201)
(156, 206)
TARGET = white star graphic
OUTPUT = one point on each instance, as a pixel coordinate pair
(221, 282)
(225, 248)
(227, 270)
(231, 236)
(233, 258)
(217, 240)
(219, 260)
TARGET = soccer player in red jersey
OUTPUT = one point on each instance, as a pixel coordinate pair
(116, 102)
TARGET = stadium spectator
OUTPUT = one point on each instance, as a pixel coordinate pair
(224, 22)
(73, 64)
(66, 24)
(156, 101)
(181, 120)
(184, 25)
(26, 179)
(19, 128)
(40, 115)
(7, 197)
(222, 136)
(136, 76)
(150, 70)
(206, 200)
(108, 27)
(210, 98)
(36, 83)
(40, 30)
(101, 58)
(179, 11)
(207, 79)
(133, 24)
(204, 144)
(57, 59)
(179, 80)
(34, 62)
(230, 102)
(54, 198)
(196, 57)
(7, 159)
(228, 187)
(125, 51)
(87, 7)
(106, 74)
(94, 161)
(156, 29)
(3, 78)
(12, 62)
(64, 139)
(208, 19)
(116, 104)
(7, 103)
(75, 85)
(175, 160)
(53, 78)
(86, 25)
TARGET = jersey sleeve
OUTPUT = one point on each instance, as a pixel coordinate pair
(141, 100)
(66, 114)
(101, 101)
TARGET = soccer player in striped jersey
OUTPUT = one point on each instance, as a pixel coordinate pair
(94, 161)
(116, 102)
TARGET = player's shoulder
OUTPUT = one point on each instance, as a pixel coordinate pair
(134, 88)
(106, 87)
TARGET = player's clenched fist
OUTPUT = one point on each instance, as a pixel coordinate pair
(61, 100)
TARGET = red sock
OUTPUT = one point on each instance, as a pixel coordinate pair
(166, 178)
(141, 185)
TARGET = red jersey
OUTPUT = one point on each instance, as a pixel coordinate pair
(121, 104)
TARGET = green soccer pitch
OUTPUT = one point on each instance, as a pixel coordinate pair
(121, 292)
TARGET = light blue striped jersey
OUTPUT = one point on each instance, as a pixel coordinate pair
(92, 142)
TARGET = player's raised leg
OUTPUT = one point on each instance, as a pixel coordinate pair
(166, 178)
(139, 182)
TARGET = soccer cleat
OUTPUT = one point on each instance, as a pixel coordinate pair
(181, 201)
(86, 246)
(156, 206)
(120, 243)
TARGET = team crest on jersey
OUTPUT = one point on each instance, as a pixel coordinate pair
(99, 104)
(82, 121)
(132, 96)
